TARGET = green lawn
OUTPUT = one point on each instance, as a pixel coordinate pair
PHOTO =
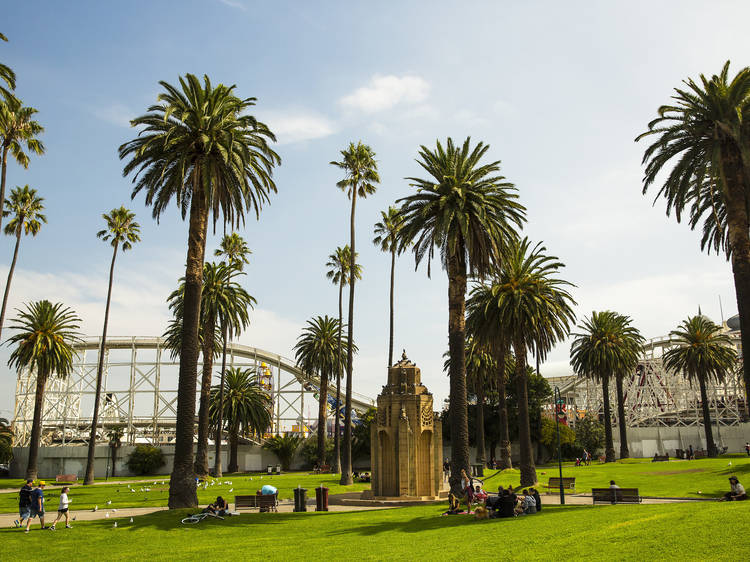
(712, 531)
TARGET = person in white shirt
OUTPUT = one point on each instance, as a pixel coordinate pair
(738, 491)
(62, 509)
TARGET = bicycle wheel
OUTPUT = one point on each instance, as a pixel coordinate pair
(192, 520)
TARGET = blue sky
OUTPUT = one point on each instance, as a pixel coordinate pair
(559, 91)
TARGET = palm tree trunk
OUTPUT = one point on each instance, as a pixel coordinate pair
(233, 441)
(89, 478)
(322, 399)
(220, 415)
(505, 460)
(3, 169)
(10, 278)
(346, 457)
(457, 372)
(201, 452)
(114, 458)
(609, 447)
(182, 487)
(390, 339)
(624, 452)
(710, 445)
(36, 427)
(528, 469)
(337, 425)
(480, 424)
(738, 226)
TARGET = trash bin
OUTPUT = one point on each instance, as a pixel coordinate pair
(300, 499)
(278, 469)
(321, 498)
(269, 469)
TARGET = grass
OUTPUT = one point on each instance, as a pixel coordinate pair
(626, 532)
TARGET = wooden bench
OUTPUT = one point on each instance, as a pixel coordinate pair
(325, 469)
(699, 454)
(257, 501)
(660, 458)
(615, 495)
(67, 478)
(567, 483)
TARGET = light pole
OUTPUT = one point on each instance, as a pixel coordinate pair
(558, 407)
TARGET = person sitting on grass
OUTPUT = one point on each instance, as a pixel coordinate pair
(737, 493)
(537, 498)
(529, 503)
(219, 507)
(479, 494)
(506, 505)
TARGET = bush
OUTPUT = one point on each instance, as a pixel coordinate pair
(590, 434)
(284, 448)
(309, 451)
(146, 459)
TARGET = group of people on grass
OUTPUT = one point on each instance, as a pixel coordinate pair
(31, 505)
(507, 503)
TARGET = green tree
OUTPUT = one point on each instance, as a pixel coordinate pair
(469, 213)
(26, 208)
(247, 408)
(360, 177)
(284, 448)
(608, 347)
(44, 336)
(362, 441)
(235, 249)
(338, 273)
(387, 238)
(705, 139)
(6, 441)
(317, 351)
(115, 435)
(702, 353)
(7, 75)
(18, 130)
(122, 231)
(534, 308)
(549, 435)
(590, 433)
(201, 147)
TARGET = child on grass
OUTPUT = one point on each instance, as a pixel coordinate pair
(62, 509)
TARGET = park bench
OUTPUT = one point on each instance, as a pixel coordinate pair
(322, 469)
(567, 483)
(699, 454)
(602, 458)
(660, 458)
(257, 501)
(615, 495)
(66, 478)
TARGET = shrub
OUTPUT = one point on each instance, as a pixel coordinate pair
(146, 459)
(309, 451)
(284, 448)
(590, 434)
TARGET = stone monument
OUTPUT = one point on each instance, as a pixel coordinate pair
(407, 438)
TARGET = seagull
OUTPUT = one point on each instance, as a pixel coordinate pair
(74, 517)
(115, 525)
(96, 507)
(114, 510)
(109, 502)
(131, 519)
(730, 463)
(231, 489)
(106, 514)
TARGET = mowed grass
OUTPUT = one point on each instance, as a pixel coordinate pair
(692, 531)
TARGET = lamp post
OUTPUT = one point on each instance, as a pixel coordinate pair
(558, 406)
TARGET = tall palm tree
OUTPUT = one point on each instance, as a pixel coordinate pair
(223, 303)
(247, 408)
(360, 177)
(387, 237)
(469, 212)
(317, 351)
(702, 353)
(481, 324)
(18, 129)
(608, 347)
(236, 250)
(535, 310)
(26, 208)
(705, 137)
(339, 263)
(44, 336)
(115, 435)
(6, 75)
(199, 146)
(122, 231)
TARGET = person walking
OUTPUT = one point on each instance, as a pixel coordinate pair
(37, 505)
(62, 509)
(24, 502)
(747, 448)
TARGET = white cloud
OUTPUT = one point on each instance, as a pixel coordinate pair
(296, 126)
(384, 92)
(115, 114)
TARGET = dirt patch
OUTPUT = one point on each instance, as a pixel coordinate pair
(670, 472)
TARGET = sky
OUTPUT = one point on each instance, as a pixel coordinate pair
(558, 90)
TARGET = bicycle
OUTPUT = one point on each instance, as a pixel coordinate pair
(198, 517)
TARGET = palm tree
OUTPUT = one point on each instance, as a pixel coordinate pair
(17, 129)
(115, 435)
(608, 347)
(469, 212)
(201, 147)
(481, 324)
(247, 408)
(534, 309)
(701, 353)
(284, 448)
(26, 209)
(236, 250)
(44, 337)
(705, 136)
(387, 237)
(360, 176)
(122, 231)
(7, 75)
(339, 263)
(317, 351)
(6, 441)
(223, 303)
